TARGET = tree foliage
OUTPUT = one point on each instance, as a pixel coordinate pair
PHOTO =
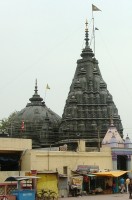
(4, 123)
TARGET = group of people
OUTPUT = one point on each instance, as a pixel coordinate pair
(126, 186)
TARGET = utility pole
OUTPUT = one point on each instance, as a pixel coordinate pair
(49, 149)
(98, 138)
(48, 159)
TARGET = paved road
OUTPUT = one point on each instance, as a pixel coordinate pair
(99, 197)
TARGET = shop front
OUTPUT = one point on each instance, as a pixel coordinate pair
(111, 180)
(88, 179)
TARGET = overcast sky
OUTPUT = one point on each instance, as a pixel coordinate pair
(43, 39)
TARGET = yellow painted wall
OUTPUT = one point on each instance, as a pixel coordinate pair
(26, 161)
(14, 144)
(55, 160)
(40, 160)
(47, 182)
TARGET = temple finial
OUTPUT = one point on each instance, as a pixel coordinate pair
(86, 34)
(86, 24)
(36, 87)
(87, 51)
(36, 99)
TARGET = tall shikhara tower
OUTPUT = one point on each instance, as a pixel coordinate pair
(89, 105)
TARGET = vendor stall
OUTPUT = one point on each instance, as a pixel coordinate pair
(111, 179)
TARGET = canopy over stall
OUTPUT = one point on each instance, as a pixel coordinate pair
(18, 179)
(111, 173)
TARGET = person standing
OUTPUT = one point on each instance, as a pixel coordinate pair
(127, 183)
(122, 184)
(114, 187)
(130, 189)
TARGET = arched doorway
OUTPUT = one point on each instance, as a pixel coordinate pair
(122, 162)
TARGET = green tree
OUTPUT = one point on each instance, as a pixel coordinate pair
(5, 123)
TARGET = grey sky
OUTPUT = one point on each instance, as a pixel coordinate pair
(44, 38)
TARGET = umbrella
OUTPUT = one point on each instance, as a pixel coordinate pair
(11, 178)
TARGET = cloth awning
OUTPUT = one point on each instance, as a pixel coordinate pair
(20, 178)
(90, 175)
(111, 173)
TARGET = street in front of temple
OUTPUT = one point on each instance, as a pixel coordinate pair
(117, 196)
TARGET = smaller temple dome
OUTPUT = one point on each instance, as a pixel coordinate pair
(112, 137)
(41, 124)
(127, 142)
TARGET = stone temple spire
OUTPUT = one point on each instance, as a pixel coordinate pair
(89, 105)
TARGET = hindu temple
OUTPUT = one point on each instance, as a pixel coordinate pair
(86, 115)
(89, 105)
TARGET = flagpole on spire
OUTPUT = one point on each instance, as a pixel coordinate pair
(93, 34)
(94, 39)
(94, 8)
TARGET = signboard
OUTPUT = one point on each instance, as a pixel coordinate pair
(77, 180)
(87, 168)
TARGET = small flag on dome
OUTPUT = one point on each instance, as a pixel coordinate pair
(94, 8)
(47, 87)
